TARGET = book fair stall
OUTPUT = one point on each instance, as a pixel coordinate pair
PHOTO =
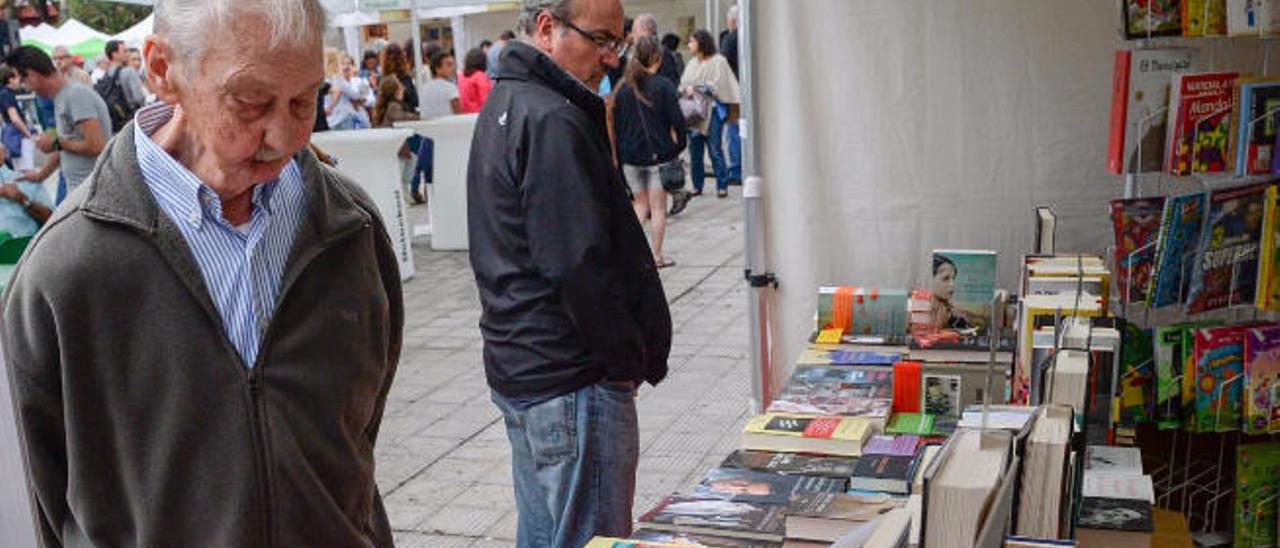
(1014, 279)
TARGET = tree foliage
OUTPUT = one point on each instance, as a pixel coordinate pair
(107, 17)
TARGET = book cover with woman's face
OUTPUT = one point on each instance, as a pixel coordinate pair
(963, 283)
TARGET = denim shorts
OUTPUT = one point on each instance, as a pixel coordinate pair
(640, 178)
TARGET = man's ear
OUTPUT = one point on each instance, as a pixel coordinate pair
(543, 26)
(161, 69)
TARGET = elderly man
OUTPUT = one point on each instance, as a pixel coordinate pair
(67, 66)
(201, 341)
(574, 313)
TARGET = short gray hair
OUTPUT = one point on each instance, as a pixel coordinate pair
(648, 21)
(732, 15)
(530, 9)
(187, 23)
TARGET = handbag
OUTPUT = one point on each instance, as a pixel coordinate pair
(670, 173)
(696, 107)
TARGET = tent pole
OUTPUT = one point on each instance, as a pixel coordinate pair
(415, 27)
(753, 209)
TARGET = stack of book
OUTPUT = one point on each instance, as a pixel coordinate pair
(1116, 499)
(1045, 475)
(961, 487)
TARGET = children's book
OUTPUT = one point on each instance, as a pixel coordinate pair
(1137, 375)
(1204, 17)
(1268, 292)
(1257, 484)
(1137, 225)
(849, 391)
(1139, 99)
(1219, 366)
(1200, 117)
(1259, 104)
(1225, 272)
(1169, 360)
(1262, 373)
(1180, 228)
(963, 284)
(1150, 18)
(1253, 17)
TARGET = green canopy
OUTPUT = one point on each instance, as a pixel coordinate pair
(88, 49)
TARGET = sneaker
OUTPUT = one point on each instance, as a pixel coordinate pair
(679, 201)
(417, 197)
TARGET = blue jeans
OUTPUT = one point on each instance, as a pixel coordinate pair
(735, 151)
(573, 459)
(711, 141)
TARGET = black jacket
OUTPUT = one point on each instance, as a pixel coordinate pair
(729, 49)
(569, 289)
(644, 131)
(141, 425)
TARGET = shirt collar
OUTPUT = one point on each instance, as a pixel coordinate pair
(177, 187)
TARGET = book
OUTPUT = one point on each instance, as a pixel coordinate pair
(1137, 225)
(1219, 364)
(1036, 311)
(1014, 418)
(1201, 108)
(928, 453)
(1046, 229)
(1268, 291)
(693, 540)
(863, 310)
(790, 463)
(611, 542)
(1118, 485)
(1137, 376)
(1252, 17)
(940, 394)
(884, 473)
(1150, 18)
(901, 446)
(892, 531)
(1170, 358)
(1114, 522)
(826, 517)
(1044, 474)
(1204, 17)
(961, 486)
(821, 355)
(1140, 96)
(851, 391)
(1109, 459)
(1068, 382)
(1257, 484)
(910, 423)
(1225, 272)
(950, 345)
(790, 433)
(1180, 229)
(906, 387)
(962, 287)
(743, 485)
(701, 515)
(1262, 373)
(1259, 104)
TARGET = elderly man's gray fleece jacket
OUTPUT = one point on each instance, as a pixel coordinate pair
(139, 423)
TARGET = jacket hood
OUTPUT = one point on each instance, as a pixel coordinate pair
(521, 61)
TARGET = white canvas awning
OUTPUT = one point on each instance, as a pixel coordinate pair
(135, 35)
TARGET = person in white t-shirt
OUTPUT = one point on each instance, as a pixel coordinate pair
(439, 96)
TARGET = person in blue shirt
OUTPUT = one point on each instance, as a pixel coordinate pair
(24, 205)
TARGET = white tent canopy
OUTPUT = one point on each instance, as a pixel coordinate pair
(135, 35)
(73, 31)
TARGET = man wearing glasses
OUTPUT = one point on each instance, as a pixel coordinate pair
(67, 66)
(575, 318)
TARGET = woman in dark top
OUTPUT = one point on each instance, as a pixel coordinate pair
(396, 64)
(14, 124)
(649, 131)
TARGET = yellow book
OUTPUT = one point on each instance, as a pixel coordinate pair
(1035, 307)
(792, 433)
(1268, 290)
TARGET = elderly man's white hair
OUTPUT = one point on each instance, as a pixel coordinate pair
(732, 14)
(646, 21)
(188, 23)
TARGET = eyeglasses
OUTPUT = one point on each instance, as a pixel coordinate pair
(606, 42)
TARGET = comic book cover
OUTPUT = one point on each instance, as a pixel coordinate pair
(1149, 18)
(1219, 365)
(1268, 293)
(1204, 17)
(1201, 109)
(1137, 225)
(1225, 272)
(1256, 133)
(1169, 360)
(1262, 373)
(1137, 375)
(1180, 227)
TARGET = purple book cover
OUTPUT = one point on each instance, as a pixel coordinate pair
(898, 446)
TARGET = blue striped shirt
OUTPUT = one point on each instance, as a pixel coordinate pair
(242, 266)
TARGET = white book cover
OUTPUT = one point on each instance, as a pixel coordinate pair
(1108, 459)
(1112, 485)
(1146, 116)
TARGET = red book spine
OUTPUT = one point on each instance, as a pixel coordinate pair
(906, 387)
(1119, 110)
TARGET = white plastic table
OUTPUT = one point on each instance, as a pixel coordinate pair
(368, 157)
(447, 195)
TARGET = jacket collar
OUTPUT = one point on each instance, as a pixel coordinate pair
(521, 61)
(118, 193)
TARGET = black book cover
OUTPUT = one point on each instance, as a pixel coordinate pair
(742, 485)
(791, 463)
(1115, 514)
(886, 473)
(733, 518)
(673, 537)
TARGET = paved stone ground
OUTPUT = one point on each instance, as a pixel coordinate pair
(443, 458)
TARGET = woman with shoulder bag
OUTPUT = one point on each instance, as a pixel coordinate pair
(708, 71)
(649, 131)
